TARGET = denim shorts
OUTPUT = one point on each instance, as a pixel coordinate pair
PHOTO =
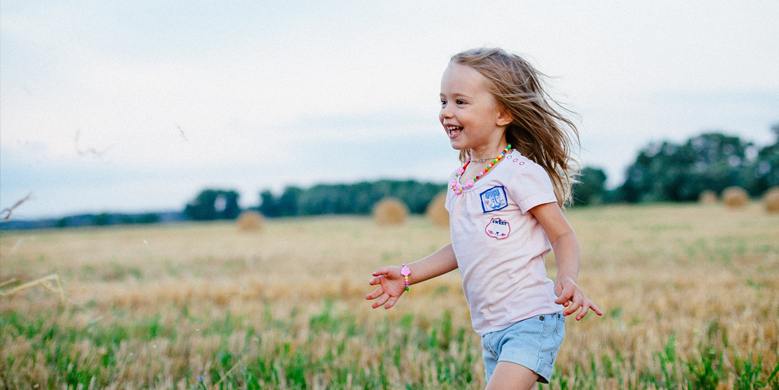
(532, 343)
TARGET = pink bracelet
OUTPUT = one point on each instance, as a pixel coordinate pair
(405, 271)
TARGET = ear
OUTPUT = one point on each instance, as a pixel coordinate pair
(504, 117)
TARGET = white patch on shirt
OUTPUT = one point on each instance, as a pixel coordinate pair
(498, 228)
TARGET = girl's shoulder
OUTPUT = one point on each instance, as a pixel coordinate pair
(527, 182)
(517, 163)
(522, 172)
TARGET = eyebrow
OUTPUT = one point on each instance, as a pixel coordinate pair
(457, 95)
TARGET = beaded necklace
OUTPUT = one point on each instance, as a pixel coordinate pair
(458, 189)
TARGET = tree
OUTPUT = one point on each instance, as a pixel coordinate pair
(764, 171)
(357, 198)
(231, 209)
(211, 204)
(590, 188)
(102, 219)
(288, 202)
(268, 205)
(672, 172)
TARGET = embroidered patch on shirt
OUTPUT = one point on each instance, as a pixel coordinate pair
(498, 228)
(494, 199)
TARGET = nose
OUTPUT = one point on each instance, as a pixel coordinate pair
(445, 112)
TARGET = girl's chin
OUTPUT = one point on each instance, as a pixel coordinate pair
(457, 144)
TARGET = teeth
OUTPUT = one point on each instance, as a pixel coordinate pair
(453, 128)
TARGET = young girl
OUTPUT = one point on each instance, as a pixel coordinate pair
(504, 211)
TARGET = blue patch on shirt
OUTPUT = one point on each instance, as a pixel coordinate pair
(494, 199)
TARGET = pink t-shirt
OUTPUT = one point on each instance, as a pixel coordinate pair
(500, 246)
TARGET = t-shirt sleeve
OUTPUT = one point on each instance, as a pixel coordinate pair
(531, 187)
(449, 195)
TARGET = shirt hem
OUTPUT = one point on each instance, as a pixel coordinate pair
(495, 328)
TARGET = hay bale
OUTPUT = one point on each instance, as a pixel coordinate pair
(250, 220)
(390, 211)
(436, 210)
(771, 200)
(708, 197)
(735, 197)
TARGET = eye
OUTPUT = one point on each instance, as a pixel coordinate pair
(460, 101)
(443, 102)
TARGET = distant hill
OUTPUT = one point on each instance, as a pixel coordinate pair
(104, 219)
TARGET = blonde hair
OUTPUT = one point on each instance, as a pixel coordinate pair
(538, 130)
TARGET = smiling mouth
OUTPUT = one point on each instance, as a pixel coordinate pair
(453, 131)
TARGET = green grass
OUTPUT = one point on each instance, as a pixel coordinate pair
(204, 306)
(326, 355)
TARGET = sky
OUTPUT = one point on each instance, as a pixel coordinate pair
(132, 106)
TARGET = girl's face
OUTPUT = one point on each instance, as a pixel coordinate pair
(472, 117)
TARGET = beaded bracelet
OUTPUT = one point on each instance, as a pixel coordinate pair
(405, 271)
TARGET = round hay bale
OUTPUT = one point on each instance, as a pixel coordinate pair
(390, 211)
(436, 210)
(708, 197)
(250, 221)
(771, 200)
(735, 197)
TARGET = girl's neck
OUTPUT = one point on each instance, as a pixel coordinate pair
(488, 152)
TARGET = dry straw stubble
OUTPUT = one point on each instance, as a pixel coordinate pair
(390, 211)
(673, 280)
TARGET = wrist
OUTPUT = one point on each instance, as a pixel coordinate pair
(405, 271)
(562, 279)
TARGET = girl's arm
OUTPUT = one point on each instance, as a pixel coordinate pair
(393, 285)
(566, 252)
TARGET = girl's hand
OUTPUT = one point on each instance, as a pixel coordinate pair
(392, 285)
(571, 296)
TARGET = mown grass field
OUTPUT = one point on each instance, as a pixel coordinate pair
(691, 295)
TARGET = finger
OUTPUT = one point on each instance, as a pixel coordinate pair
(596, 309)
(375, 281)
(375, 294)
(382, 300)
(391, 302)
(381, 271)
(565, 296)
(576, 303)
(578, 299)
(584, 311)
(569, 307)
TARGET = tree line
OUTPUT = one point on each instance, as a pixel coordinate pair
(662, 172)
(709, 162)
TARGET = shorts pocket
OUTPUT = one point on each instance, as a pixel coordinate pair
(558, 334)
(487, 346)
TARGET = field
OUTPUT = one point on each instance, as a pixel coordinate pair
(691, 295)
